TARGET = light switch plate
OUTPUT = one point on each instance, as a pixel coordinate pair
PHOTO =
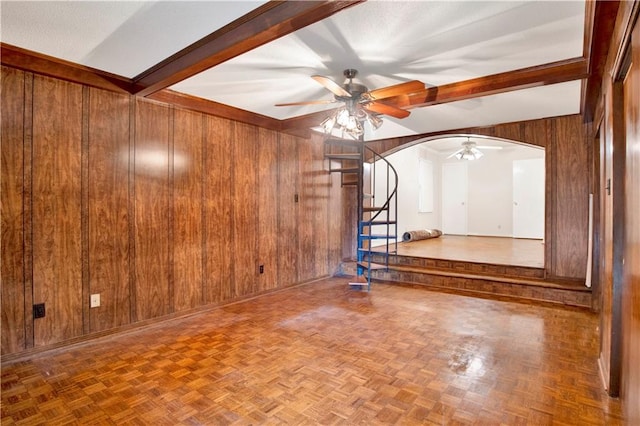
(95, 300)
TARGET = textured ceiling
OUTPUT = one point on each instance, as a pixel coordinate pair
(387, 41)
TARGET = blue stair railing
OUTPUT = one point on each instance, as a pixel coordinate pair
(377, 209)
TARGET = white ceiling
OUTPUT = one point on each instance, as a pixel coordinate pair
(389, 42)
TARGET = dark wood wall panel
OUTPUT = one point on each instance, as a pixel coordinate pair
(307, 211)
(571, 197)
(217, 207)
(631, 292)
(288, 210)
(187, 209)
(320, 182)
(108, 195)
(56, 174)
(152, 204)
(267, 198)
(11, 213)
(157, 209)
(245, 209)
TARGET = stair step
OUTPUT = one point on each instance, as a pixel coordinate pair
(343, 142)
(377, 222)
(345, 170)
(354, 156)
(372, 266)
(378, 236)
(374, 209)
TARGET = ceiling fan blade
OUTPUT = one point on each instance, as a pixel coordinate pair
(458, 151)
(386, 110)
(331, 85)
(395, 90)
(327, 101)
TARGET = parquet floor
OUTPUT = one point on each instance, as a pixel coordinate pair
(324, 354)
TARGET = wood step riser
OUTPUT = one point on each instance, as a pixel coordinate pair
(481, 286)
(462, 267)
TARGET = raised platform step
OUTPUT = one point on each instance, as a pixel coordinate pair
(565, 292)
(461, 266)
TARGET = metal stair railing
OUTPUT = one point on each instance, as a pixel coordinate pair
(385, 215)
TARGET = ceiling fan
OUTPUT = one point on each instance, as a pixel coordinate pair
(470, 150)
(360, 103)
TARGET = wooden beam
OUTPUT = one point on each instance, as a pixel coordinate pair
(27, 60)
(598, 33)
(540, 75)
(266, 23)
(214, 108)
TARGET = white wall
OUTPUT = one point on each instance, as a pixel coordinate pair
(406, 164)
(490, 183)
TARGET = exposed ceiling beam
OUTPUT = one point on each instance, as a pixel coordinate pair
(552, 73)
(266, 23)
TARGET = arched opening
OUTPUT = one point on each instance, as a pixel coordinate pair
(490, 209)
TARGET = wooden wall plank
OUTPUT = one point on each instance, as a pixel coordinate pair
(57, 268)
(268, 208)
(108, 177)
(151, 206)
(187, 209)
(571, 163)
(307, 211)
(288, 210)
(321, 184)
(630, 387)
(217, 207)
(245, 209)
(11, 213)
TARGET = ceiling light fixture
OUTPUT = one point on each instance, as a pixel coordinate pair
(469, 151)
(349, 121)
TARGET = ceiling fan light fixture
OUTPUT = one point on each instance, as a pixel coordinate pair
(469, 153)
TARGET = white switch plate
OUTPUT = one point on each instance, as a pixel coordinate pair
(95, 300)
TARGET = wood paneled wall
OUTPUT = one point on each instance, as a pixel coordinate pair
(568, 179)
(619, 254)
(161, 211)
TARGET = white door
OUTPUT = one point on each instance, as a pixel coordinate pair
(454, 198)
(528, 198)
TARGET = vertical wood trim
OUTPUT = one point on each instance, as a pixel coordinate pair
(133, 314)
(28, 211)
(618, 190)
(171, 267)
(551, 200)
(205, 295)
(84, 213)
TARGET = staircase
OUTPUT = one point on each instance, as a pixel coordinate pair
(377, 212)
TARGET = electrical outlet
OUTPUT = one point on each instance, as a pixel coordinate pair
(95, 300)
(262, 269)
(38, 310)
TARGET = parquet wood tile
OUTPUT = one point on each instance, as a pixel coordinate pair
(324, 354)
